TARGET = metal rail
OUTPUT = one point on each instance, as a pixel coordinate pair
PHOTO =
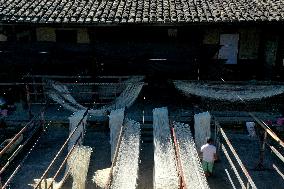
(22, 162)
(18, 150)
(21, 132)
(233, 167)
(180, 168)
(277, 153)
(64, 162)
(61, 149)
(267, 129)
(230, 179)
(236, 156)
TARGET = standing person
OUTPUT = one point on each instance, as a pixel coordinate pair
(208, 151)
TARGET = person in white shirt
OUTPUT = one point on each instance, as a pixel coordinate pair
(208, 151)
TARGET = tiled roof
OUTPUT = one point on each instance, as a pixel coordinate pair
(140, 11)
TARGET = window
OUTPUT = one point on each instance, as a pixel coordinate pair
(66, 36)
(229, 49)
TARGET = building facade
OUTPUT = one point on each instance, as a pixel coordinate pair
(205, 40)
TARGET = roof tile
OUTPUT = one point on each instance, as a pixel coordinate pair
(140, 11)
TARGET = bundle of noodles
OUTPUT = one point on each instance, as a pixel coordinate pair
(165, 168)
(125, 172)
(190, 163)
(78, 164)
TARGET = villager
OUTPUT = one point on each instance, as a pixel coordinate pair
(208, 151)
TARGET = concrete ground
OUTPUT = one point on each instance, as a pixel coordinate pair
(98, 139)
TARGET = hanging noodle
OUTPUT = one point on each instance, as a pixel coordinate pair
(79, 165)
(46, 183)
(116, 118)
(125, 172)
(229, 92)
(191, 166)
(61, 101)
(126, 99)
(109, 90)
(64, 92)
(165, 169)
(201, 128)
(74, 120)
